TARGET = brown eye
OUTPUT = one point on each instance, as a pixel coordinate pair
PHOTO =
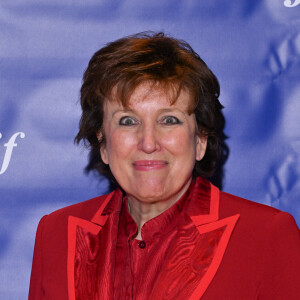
(127, 121)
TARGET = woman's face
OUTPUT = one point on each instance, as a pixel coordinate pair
(151, 146)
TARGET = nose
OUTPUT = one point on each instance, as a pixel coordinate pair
(148, 139)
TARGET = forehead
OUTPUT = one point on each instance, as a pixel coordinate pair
(153, 95)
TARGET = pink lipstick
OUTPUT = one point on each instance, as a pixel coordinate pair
(148, 165)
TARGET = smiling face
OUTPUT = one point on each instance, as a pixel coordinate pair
(151, 146)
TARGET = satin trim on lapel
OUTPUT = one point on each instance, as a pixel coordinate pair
(212, 270)
(94, 226)
(207, 223)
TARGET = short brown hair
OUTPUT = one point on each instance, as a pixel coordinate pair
(126, 63)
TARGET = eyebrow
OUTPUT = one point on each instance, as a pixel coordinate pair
(163, 110)
(170, 110)
(122, 111)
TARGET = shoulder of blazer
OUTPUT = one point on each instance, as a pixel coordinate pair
(84, 210)
(256, 220)
(230, 204)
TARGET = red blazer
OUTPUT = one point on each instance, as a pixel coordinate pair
(257, 256)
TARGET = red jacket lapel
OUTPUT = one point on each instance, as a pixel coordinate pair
(218, 233)
(81, 235)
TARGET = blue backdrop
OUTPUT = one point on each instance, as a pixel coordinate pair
(253, 46)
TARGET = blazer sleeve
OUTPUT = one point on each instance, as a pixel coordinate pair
(36, 278)
(281, 265)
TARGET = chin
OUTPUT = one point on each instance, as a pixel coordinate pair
(152, 189)
(149, 194)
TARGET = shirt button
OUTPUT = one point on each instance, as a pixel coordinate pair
(142, 244)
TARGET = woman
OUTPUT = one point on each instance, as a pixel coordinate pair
(150, 111)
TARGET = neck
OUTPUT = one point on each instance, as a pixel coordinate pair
(143, 211)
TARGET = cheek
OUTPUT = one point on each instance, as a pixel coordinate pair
(119, 145)
(180, 142)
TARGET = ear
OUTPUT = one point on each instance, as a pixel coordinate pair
(201, 144)
(103, 150)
